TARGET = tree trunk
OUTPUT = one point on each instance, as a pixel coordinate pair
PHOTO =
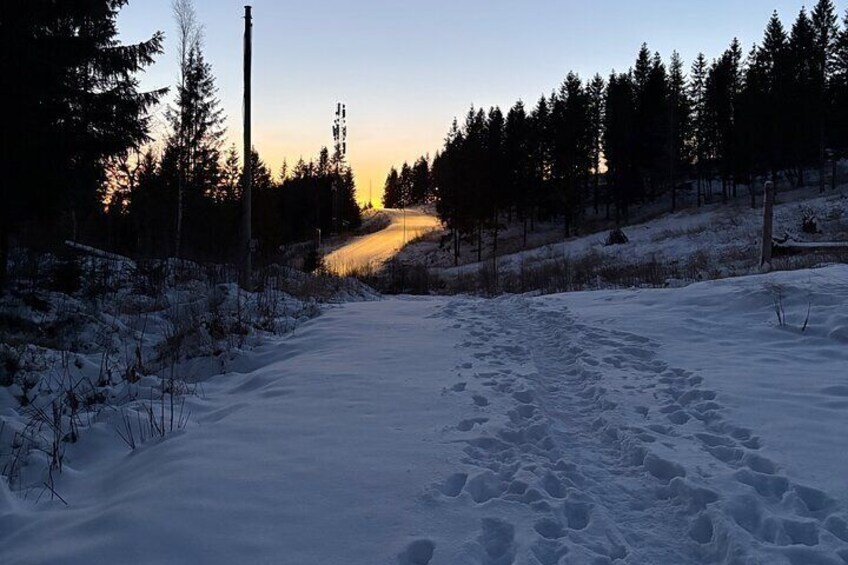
(821, 159)
(597, 191)
(524, 234)
(753, 194)
(479, 242)
(833, 173)
(455, 247)
(4, 250)
(179, 229)
(768, 218)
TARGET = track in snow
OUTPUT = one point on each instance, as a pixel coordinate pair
(443, 431)
(373, 249)
(618, 457)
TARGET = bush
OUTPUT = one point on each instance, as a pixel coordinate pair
(313, 261)
(809, 223)
(65, 277)
(10, 364)
(616, 237)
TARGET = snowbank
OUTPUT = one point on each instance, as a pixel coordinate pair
(667, 426)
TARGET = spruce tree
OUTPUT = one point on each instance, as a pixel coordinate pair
(619, 143)
(826, 34)
(391, 190)
(517, 159)
(804, 96)
(420, 193)
(75, 103)
(196, 122)
(539, 145)
(596, 91)
(680, 120)
(839, 90)
(774, 64)
(697, 95)
(496, 171)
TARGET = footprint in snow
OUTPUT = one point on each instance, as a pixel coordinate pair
(419, 552)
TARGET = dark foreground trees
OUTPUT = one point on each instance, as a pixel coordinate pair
(73, 104)
(79, 161)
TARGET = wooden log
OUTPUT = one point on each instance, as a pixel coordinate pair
(792, 247)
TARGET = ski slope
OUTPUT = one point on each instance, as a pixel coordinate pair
(373, 249)
(668, 426)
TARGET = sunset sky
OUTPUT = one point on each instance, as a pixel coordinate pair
(405, 69)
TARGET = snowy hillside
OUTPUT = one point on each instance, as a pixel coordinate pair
(666, 426)
(711, 242)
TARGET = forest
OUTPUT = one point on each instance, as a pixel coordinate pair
(81, 161)
(601, 146)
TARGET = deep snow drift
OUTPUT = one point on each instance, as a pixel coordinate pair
(644, 426)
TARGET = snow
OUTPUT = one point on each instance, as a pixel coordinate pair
(666, 426)
(715, 241)
(370, 251)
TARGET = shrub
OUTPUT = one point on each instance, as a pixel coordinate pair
(616, 237)
(809, 222)
(65, 277)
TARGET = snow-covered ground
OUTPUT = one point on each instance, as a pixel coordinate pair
(668, 426)
(368, 252)
(715, 241)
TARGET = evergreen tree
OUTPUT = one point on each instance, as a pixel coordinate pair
(721, 93)
(596, 91)
(517, 162)
(774, 65)
(839, 93)
(392, 190)
(229, 184)
(826, 35)
(421, 190)
(652, 124)
(405, 185)
(803, 137)
(496, 171)
(698, 97)
(75, 103)
(572, 147)
(620, 148)
(680, 121)
(196, 122)
(540, 147)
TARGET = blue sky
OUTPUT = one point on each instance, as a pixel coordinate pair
(405, 69)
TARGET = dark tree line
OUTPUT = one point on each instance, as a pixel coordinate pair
(287, 207)
(655, 131)
(412, 186)
(81, 164)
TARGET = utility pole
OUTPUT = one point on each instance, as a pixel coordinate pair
(247, 193)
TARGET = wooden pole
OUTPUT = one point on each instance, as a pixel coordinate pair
(768, 226)
(247, 193)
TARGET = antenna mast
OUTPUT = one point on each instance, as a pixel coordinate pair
(339, 154)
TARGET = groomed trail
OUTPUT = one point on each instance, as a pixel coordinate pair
(637, 427)
(370, 251)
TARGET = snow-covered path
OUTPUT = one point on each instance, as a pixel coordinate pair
(373, 249)
(662, 426)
